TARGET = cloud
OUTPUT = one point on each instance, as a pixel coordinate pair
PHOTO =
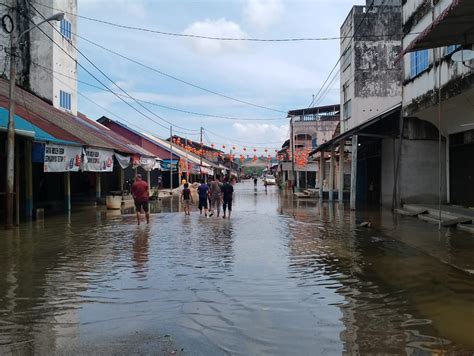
(216, 28)
(256, 132)
(262, 13)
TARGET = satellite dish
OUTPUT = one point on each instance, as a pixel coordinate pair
(463, 55)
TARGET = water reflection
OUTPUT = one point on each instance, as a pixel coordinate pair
(396, 299)
(283, 276)
(140, 251)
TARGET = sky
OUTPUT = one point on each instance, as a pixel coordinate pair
(278, 75)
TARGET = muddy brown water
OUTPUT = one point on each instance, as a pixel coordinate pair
(280, 278)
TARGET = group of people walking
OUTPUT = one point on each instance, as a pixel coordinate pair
(211, 197)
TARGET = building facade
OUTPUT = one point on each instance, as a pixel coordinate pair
(46, 56)
(309, 128)
(440, 91)
(370, 77)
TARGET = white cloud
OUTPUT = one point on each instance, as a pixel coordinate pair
(262, 13)
(256, 132)
(216, 28)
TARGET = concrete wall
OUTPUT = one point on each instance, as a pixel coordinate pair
(418, 181)
(373, 79)
(43, 68)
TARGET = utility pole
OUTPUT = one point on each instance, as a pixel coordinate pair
(292, 142)
(200, 167)
(11, 135)
(171, 159)
(187, 166)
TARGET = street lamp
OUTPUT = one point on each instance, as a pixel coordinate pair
(11, 123)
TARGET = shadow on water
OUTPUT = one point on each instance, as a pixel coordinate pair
(281, 277)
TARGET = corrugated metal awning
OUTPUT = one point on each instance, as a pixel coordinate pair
(455, 25)
(26, 128)
(355, 130)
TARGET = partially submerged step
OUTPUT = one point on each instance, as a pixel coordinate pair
(429, 218)
(466, 227)
(411, 211)
(456, 221)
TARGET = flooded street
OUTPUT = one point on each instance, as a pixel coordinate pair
(280, 278)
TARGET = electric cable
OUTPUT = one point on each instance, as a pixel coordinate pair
(168, 107)
(174, 34)
(105, 86)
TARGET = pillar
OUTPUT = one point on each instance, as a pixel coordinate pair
(67, 191)
(149, 182)
(98, 192)
(28, 181)
(448, 189)
(331, 173)
(340, 190)
(17, 184)
(354, 172)
(322, 173)
(297, 179)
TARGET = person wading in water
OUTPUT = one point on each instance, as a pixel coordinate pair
(140, 196)
(227, 195)
(203, 190)
(187, 198)
(215, 195)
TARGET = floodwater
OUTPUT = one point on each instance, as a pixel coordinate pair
(280, 278)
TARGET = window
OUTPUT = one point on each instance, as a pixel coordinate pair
(65, 27)
(419, 61)
(345, 91)
(347, 108)
(346, 58)
(64, 100)
(450, 49)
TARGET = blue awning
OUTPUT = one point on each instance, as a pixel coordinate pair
(26, 128)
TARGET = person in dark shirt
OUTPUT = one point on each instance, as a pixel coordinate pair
(140, 195)
(203, 192)
(227, 195)
(187, 198)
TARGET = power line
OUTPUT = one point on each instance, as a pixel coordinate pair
(105, 75)
(164, 106)
(243, 142)
(174, 34)
(176, 78)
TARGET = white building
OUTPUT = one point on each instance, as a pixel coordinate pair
(46, 62)
(442, 28)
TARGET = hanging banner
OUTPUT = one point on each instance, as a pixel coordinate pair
(166, 164)
(59, 158)
(98, 160)
(124, 161)
(149, 164)
(195, 168)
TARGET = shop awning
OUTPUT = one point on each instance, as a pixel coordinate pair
(26, 128)
(358, 129)
(455, 25)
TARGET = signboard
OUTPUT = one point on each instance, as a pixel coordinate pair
(166, 164)
(59, 158)
(98, 160)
